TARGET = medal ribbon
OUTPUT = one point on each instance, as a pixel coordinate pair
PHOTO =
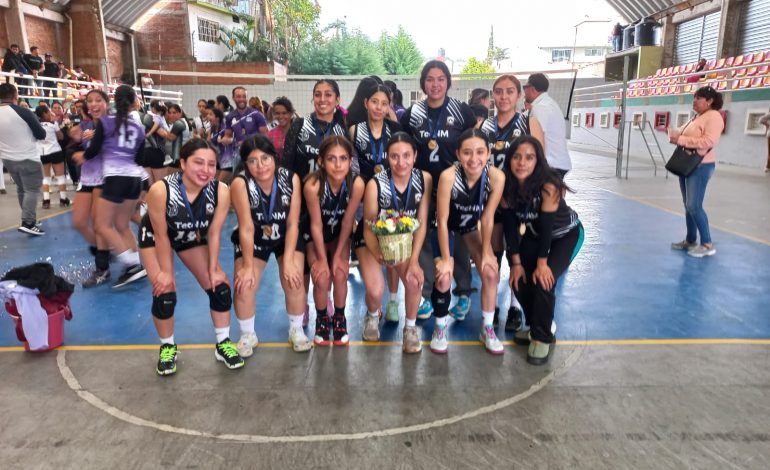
(394, 194)
(377, 152)
(497, 129)
(196, 221)
(341, 194)
(434, 131)
(267, 212)
(320, 136)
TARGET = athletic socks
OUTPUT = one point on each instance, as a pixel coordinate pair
(169, 340)
(295, 321)
(46, 196)
(129, 258)
(487, 317)
(412, 322)
(247, 325)
(339, 311)
(222, 333)
(393, 297)
(440, 301)
(62, 195)
(442, 321)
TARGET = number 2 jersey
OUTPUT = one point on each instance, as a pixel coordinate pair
(500, 138)
(186, 228)
(467, 202)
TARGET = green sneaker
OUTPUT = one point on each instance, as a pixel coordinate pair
(538, 352)
(391, 312)
(167, 360)
(227, 352)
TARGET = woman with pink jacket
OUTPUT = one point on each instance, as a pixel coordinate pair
(701, 133)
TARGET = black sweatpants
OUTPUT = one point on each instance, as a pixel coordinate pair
(537, 302)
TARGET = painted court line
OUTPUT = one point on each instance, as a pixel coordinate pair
(40, 219)
(105, 407)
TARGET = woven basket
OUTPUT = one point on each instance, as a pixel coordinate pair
(395, 248)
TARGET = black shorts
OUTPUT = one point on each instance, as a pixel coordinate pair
(357, 240)
(52, 158)
(145, 185)
(263, 250)
(146, 238)
(87, 189)
(118, 189)
(153, 157)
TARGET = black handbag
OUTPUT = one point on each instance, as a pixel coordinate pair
(684, 161)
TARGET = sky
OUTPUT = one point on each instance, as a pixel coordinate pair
(462, 28)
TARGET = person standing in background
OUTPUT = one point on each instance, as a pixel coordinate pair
(765, 120)
(547, 111)
(50, 70)
(35, 63)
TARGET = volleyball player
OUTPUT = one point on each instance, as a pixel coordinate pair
(52, 157)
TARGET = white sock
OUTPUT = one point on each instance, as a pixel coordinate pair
(393, 296)
(295, 321)
(62, 195)
(488, 318)
(46, 196)
(126, 258)
(169, 340)
(222, 333)
(411, 322)
(373, 314)
(442, 321)
(247, 325)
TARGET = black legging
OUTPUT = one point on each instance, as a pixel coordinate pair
(538, 304)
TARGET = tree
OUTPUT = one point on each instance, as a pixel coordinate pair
(344, 54)
(245, 45)
(293, 25)
(500, 54)
(476, 67)
(399, 53)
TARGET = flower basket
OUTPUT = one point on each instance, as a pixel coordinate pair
(395, 248)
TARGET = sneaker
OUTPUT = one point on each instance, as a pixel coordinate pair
(97, 277)
(684, 245)
(166, 360)
(461, 308)
(131, 274)
(538, 352)
(306, 316)
(490, 341)
(323, 326)
(247, 343)
(425, 310)
(391, 311)
(64, 202)
(371, 327)
(298, 340)
(412, 343)
(340, 330)
(227, 352)
(514, 320)
(521, 337)
(439, 342)
(33, 229)
(46, 203)
(3, 191)
(702, 250)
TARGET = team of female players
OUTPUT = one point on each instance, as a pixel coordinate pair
(490, 185)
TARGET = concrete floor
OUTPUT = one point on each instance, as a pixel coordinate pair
(688, 398)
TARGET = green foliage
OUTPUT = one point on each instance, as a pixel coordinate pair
(399, 53)
(500, 54)
(476, 67)
(295, 23)
(344, 54)
(245, 45)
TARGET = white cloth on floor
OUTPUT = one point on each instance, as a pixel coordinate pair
(34, 317)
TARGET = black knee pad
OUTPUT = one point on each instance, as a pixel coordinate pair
(440, 301)
(163, 305)
(220, 298)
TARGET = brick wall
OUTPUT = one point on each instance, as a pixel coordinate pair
(166, 35)
(4, 43)
(115, 57)
(49, 36)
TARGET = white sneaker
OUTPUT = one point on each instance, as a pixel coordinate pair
(702, 250)
(489, 339)
(439, 342)
(298, 341)
(372, 327)
(246, 344)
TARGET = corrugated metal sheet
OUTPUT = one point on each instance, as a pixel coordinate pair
(632, 10)
(697, 38)
(124, 13)
(755, 19)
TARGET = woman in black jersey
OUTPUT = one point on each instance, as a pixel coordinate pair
(332, 195)
(305, 135)
(543, 235)
(436, 124)
(267, 201)
(185, 214)
(370, 138)
(468, 194)
(501, 131)
(406, 189)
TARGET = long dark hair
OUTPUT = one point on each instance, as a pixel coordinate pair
(320, 173)
(356, 109)
(124, 101)
(515, 193)
(255, 142)
(338, 117)
(193, 145)
(401, 136)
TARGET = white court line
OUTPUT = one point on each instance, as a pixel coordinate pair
(100, 404)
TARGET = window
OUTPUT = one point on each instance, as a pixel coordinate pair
(208, 31)
(594, 52)
(561, 55)
(415, 96)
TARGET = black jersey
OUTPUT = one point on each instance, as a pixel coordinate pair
(269, 226)
(500, 138)
(187, 221)
(407, 202)
(467, 203)
(302, 142)
(437, 132)
(372, 157)
(565, 220)
(333, 208)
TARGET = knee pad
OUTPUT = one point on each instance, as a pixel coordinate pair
(46, 181)
(440, 301)
(163, 305)
(220, 298)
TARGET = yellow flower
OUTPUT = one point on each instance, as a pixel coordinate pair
(406, 221)
(380, 224)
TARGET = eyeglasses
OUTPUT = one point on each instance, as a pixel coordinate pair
(263, 159)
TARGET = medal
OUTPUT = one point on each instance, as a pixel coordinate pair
(433, 130)
(432, 144)
(499, 145)
(522, 229)
(198, 236)
(378, 169)
(267, 231)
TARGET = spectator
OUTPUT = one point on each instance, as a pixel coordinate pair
(765, 120)
(396, 100)
(695, 78)
(19, 133)
(36, 66)
(617, 37)
(480, 96)
(547, 111)
(13, 61)
(147, 81)
(50, 70)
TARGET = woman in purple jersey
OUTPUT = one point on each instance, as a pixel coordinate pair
(118, 141)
